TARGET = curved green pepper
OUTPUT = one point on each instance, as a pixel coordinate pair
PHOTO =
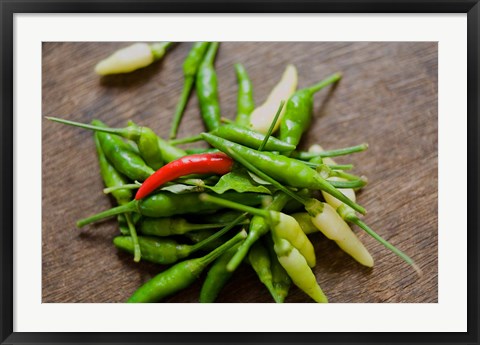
(207, 89)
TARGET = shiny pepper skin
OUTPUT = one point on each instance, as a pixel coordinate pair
(122, 157)
(161, 251)
(207, 163)
(245, 101)
(111, 177)
(179, 276)
(297, 268)
(299, 109)
(283, 169)
(207, 89)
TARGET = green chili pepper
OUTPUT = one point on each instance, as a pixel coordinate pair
(258, 227)
(241, 135)
(280, 278)
(245, 101)
(259, 258)
(133, 146)
(111, 177)
(180, 275)
(167, 251)
(217, 277)
(167, 204)
(207, 89)
(299, 109)
(148, 144)
(173, 226)
(144, 137)
(281, 168)
(250, 138)
(190, 67)
(122, 157)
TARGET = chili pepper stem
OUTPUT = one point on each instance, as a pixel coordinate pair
(277, 204)
(330, 153)
(130, 207)
(329, 166)
(347, 176)
(340, 166)
(159, 49)
(244, 136)
(348, 184)
(137, 254)
(128, 133)
(327, 81)
(241, 252)
(272, 126)
(225, 120)
(182, 103)
(219, 250)
(234, 205)
(329, 187)
(219, 233)
(352, 218)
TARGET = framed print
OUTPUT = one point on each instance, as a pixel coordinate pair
(156, 154)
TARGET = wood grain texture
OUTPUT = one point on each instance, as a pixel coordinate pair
(387, 97)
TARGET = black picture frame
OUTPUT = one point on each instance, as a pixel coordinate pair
(9, 8)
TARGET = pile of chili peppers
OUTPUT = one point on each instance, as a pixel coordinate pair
(173, 203)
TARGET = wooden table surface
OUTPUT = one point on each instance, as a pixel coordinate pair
(387, 97)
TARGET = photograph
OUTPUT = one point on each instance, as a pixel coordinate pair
(239, 172)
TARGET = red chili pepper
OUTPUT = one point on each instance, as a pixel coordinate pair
(205, 163)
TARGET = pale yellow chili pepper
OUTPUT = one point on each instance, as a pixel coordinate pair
(262, 117)
(286, 227)
(131, 58)
(297, 268)
(329, 222)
